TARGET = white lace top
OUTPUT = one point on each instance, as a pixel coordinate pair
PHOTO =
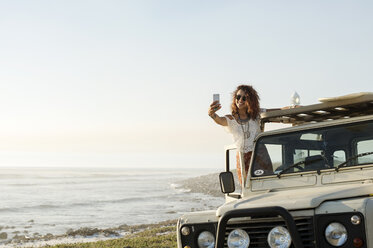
(245, 133)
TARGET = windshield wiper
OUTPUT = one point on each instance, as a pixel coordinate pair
(297, 165)
(349, 159)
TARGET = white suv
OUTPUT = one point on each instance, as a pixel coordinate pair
(309, 185)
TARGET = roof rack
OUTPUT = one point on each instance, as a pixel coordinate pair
(357, 104)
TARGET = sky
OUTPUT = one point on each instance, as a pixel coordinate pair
(129, 83)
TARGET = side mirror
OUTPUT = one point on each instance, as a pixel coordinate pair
(226, 182)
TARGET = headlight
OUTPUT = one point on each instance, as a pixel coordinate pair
(238, 238)
(336, 234)
(279, 237)
(206, 240)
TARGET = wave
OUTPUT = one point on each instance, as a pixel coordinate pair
(81, 204)
(179, 188)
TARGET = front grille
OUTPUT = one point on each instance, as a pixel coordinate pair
(259, 228)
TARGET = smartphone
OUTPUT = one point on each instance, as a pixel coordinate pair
(216, 97)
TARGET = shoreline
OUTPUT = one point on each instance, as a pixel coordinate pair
(205, 184)
(84, 235)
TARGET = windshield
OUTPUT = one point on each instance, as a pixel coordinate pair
(314, 150)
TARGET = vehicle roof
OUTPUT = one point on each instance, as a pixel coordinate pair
(352, 105)
(316, 125)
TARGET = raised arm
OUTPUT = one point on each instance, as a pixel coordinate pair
(215, 106)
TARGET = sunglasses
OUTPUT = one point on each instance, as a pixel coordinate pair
(238, 97)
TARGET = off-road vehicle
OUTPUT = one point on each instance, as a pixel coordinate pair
(309, 184)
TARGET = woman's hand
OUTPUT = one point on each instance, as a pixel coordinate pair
(215, 106)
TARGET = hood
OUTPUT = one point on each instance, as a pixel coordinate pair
(301, 198)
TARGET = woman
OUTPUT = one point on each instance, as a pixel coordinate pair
(243, 123)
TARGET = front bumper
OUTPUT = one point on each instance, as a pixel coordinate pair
(258, 212)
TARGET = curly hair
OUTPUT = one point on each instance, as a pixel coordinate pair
(252, 100)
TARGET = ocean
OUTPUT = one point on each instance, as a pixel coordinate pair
(55, 200)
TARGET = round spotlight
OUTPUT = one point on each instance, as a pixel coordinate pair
(185, 230)
(336, 234)
(355, 220)
(206, 240)
(279, 237)
(238, 238)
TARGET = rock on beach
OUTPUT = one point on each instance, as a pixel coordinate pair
(3, 235)
(206, 184)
